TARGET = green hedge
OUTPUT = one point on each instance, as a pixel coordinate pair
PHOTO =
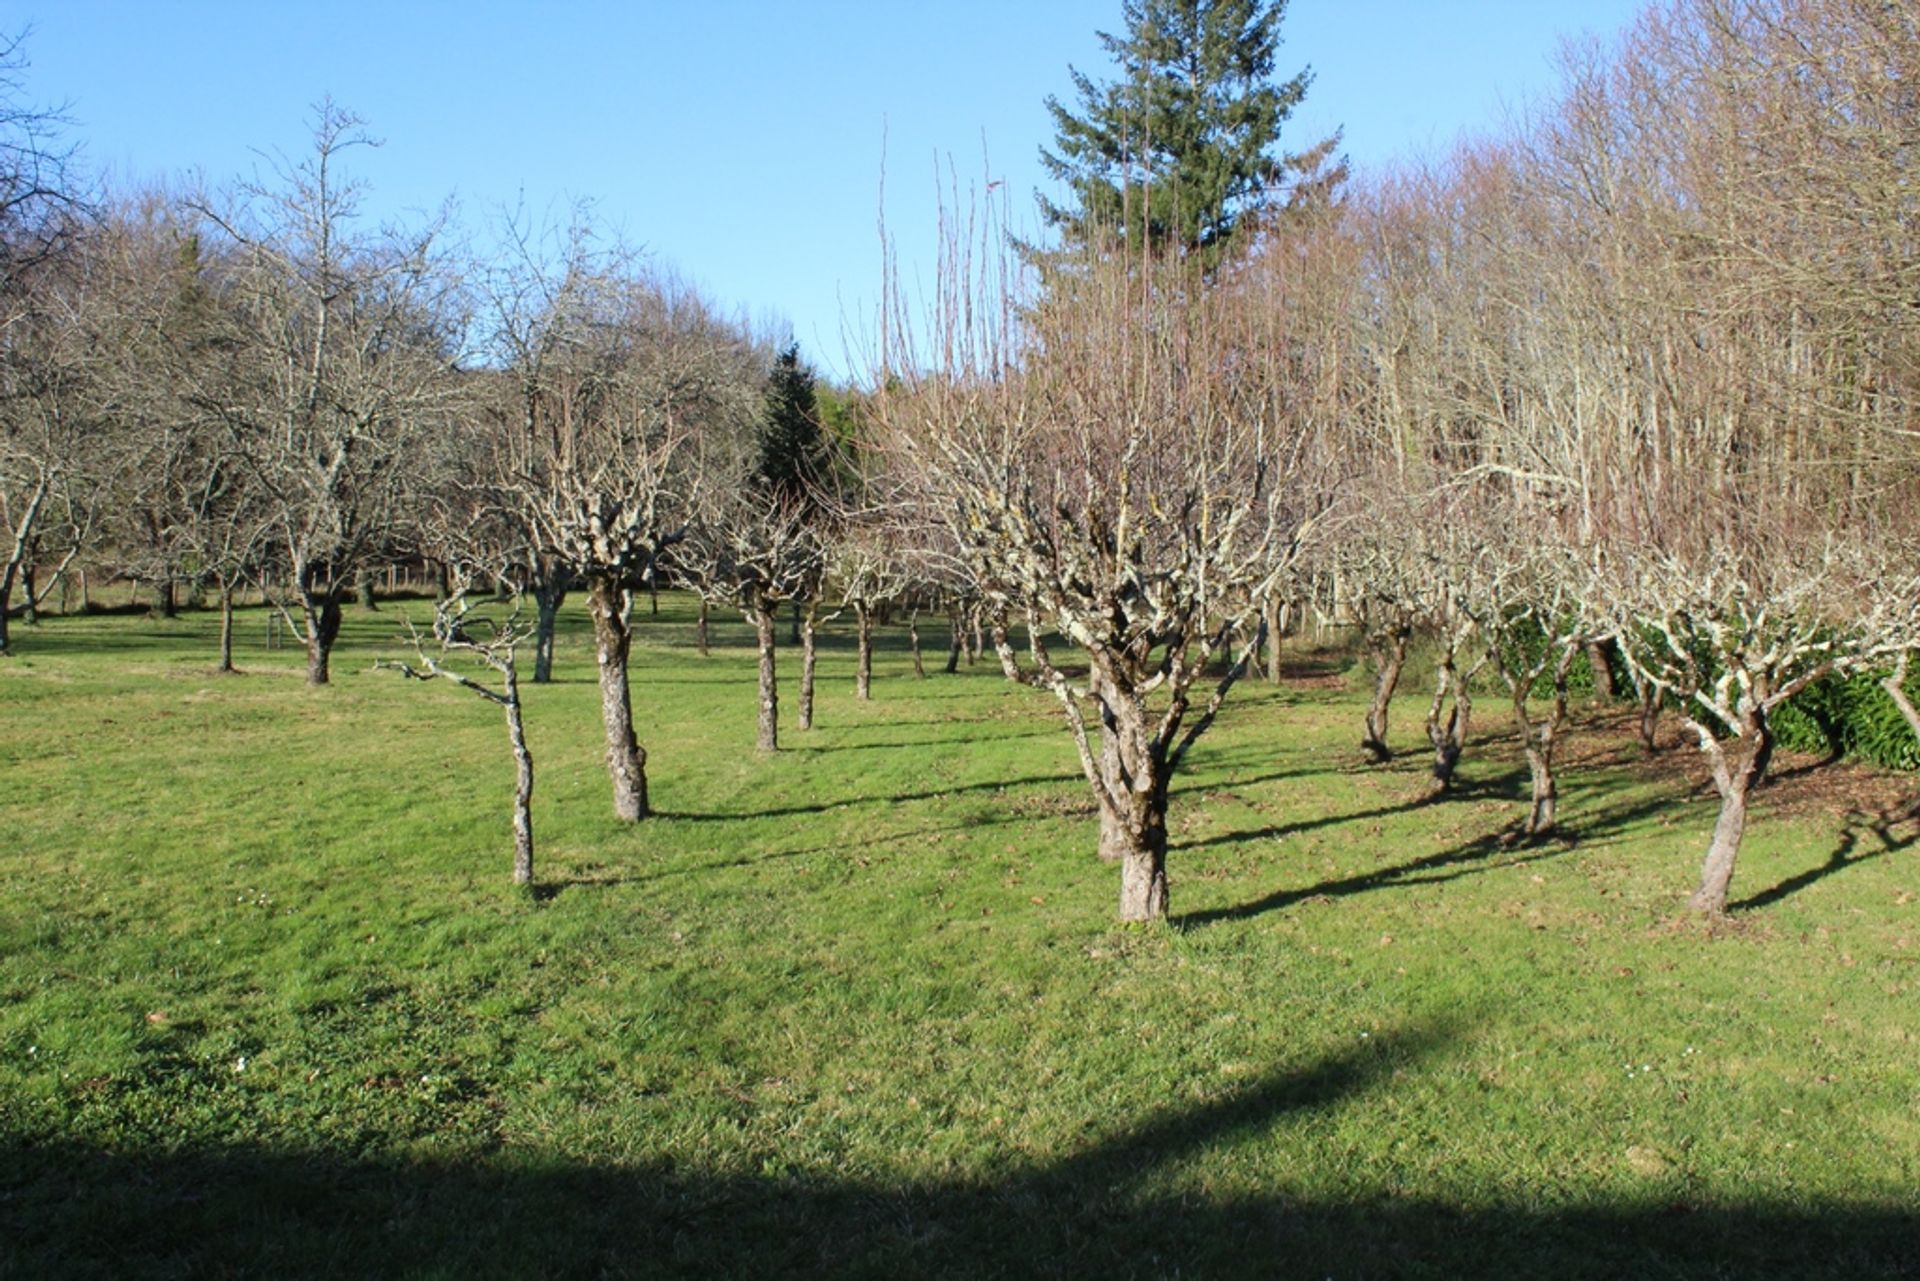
(1851, 716)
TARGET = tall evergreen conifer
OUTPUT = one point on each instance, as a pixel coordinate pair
(1181, 150)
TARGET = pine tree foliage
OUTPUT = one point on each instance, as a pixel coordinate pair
(793, 452)
(1181, 150)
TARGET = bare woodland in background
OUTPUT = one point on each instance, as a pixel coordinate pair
(1627, 392)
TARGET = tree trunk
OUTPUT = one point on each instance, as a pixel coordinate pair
(6, 636)
(954, 642)
(364, 590)
(863, 653)
(613, 641)
(1115, 840)
(523, 782)
(226, 628)
(1895, 683)
(913, 642)
(322, 617)
(30, 592)
(1143, 856)
(1391, 658)
(1543, 810)
(1448, 733)
(1600, 659)
(548, 596)
(164, 603)
(86, 594)
(809, 656)
(762, 617)
(793, 628)
(702, 635)
(1539, 739)
(1647, 719)
(1738, 767)
(1275, 623)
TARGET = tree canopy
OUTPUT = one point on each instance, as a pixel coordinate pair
(1181, 150)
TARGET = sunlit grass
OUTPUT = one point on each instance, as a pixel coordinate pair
(269, 1004)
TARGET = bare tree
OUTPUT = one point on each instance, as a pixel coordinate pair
(624, 379)
(345, 350)
(1114, 463)
(757, 551)
(44, 419)
(462, 630)
(1732, 638)
(1530, 604)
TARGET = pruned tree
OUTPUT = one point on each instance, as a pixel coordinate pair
(756, 550)
(623, 380)
(1112, 465)
(1531, 604)
(1732, 637)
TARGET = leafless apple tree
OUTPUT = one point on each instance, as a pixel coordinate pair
(1117, 463)
(620, 375)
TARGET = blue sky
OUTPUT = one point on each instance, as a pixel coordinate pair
(742, 142)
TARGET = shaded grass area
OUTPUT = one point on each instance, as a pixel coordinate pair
(268, 1004)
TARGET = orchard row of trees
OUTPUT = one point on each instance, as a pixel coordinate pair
(1632, 388)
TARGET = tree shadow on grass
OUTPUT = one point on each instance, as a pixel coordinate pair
(1469, 858)
(847, 802)
(1502, 787)
(1003, 732)
(555, 886)
(1118, 1207)
(1845, 854)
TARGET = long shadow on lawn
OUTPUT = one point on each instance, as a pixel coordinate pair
(958, 740)
(1467, 859)
(897, 798)
(1844, 856)
(553, 888)
(1463, 790)
(1116, 1208)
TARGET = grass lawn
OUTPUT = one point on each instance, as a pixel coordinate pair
(269, 1005)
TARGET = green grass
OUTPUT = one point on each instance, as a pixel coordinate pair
(269, 1005)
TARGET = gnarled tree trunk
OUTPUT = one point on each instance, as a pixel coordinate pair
(913, 642)
(1541, 738)
(613, 642)
(321, 615)
(954, 642)
(548, 596)
(1738, 766)
(1390, 659)
(1600, 659)
(1133, 832)
(1647, 698)
(1447, 725)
